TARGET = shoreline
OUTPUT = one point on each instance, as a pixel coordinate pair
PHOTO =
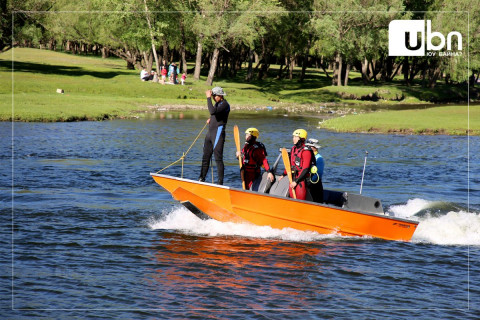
(326, 112)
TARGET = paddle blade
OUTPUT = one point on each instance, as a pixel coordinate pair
(236, 135)
(288, 168)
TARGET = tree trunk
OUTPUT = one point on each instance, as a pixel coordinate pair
(148, 61)
(339, 70)
(198, 60)
(322, 65)
(334, 73)
(291, 65)
(104, 52)
(337, 77)
(347, 72)
(375, 69)
(165, 52)
(251, 56)
(280, 71)
(304, 67)
(207, 59)
(182, 49)
(392, 76)
(413, 70)
(152, 37)
(130, 65)
(435, 74)
(213, 66)
(424, 75)
(389, 67)
(365, 74)
(406, 71)
(157, 63)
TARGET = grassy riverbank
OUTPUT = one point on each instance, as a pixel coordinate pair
(98, 89)
(452, 120)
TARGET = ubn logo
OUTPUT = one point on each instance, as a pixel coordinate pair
(403, 38)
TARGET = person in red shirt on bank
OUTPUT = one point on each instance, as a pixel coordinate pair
(301, 162)
(254, 156)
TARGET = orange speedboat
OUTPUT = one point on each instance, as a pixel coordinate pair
(342, 213)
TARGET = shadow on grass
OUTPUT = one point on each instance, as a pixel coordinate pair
(6, 65)
(275, 88)
(316, 79)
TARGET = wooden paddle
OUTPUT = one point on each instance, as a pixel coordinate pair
(236, 135)
(288, 168)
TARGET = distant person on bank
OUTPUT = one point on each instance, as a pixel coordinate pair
(164, 74)
(145, 76)
(215, 138)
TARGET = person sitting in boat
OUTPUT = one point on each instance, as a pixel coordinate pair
(254, 156)
(301, 162)
(314, 183)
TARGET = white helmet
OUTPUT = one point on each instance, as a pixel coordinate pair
(312, 143)
(218, 91)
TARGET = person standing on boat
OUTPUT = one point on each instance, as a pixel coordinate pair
(301, 162)
(215, 138)
(315, 184)
(254, 156)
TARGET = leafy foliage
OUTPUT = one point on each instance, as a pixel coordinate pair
(289, 32)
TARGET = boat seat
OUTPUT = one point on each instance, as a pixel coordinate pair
(362, 203)
(262, 184)
(280, 187)
(335, 198)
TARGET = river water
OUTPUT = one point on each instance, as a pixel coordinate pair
(89, 235)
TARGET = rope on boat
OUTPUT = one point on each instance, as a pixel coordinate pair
(185, 153)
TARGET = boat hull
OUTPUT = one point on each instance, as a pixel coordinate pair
(235, 205)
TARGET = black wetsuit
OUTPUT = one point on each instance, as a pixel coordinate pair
(215, 138)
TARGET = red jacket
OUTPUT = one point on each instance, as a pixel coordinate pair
(300, 160)
(254, 156)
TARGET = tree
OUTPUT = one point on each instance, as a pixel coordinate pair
(462, 16)
(219, 24)
(350, 31)
(152, 36)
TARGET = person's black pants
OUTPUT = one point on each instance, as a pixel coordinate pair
(316, 191)
(214, 142)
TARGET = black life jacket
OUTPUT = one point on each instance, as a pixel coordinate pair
(298, 159)
(248, 159)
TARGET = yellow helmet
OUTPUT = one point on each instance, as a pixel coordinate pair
(253, 131)
(301, 133)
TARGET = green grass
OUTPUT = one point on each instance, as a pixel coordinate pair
(98, 89)
(94, 88)
(452, 120)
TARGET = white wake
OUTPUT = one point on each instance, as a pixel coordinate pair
(451, 228)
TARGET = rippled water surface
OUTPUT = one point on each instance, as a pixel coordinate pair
(89, 235)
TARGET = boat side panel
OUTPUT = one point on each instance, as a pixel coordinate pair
(208, 207)
(214, 193)
(211, 199)
(282, 213)
(226, 204)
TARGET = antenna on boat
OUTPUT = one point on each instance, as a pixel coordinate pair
(363, 173)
